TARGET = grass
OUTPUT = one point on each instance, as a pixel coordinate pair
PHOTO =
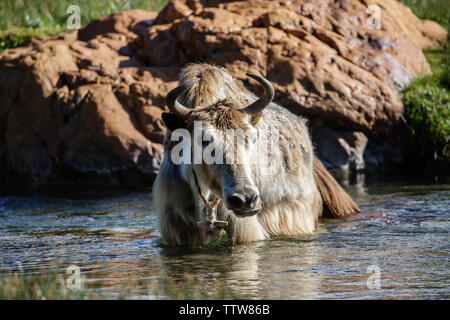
(427, 99)
(427, 110)
(48, 286)
(51, 284)
(22, 19)
(436, 10)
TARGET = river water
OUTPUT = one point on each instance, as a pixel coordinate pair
(398, 248)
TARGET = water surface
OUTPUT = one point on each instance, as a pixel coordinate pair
(112, 237)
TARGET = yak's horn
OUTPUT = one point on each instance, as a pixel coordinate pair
(258, 106)
(171, 99)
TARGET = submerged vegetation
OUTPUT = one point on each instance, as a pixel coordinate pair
(436, 10)
(53, 283)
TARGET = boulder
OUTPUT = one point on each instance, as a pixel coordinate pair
(85, 106)
(82, 111)
(341, 152)
(324, 58)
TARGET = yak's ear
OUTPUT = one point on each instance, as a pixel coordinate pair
(173, 122)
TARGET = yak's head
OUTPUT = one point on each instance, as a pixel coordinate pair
(222, 145)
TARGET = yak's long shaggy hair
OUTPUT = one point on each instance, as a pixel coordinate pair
(292, 199)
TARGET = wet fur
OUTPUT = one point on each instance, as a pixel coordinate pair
(293, 197)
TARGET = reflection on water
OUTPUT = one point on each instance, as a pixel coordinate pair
(113, 238)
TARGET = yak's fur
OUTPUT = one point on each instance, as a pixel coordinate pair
(292, 200)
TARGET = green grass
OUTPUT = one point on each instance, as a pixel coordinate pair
(427, 99)
(51, 284)
(23, 19)
(15, 37)
(427, 110)
(48, 286)
(436, 10)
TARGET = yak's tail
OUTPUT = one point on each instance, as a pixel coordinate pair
(337, 202)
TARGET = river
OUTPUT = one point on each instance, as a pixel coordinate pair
(398, 248)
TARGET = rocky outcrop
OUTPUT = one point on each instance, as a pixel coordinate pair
(324, 57)
(346, 152)
(87, 104)
(78, 111)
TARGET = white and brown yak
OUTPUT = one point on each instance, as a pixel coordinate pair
(249, 200)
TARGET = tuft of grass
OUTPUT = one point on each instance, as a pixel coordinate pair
(47, 286)
(16, 37)
(427, 99)
(22, 19)
(221, 242)
(51, 284)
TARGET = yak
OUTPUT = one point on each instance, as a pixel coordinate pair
(242, 197)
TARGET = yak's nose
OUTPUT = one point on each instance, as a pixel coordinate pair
(238, 201)
(253, 201)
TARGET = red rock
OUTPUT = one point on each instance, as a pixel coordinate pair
(88, 103)
(172, 11)
(341, 152)
(69, 108)
(151, 123)
(123, 22)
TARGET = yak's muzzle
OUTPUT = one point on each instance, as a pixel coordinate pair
(244, 205)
